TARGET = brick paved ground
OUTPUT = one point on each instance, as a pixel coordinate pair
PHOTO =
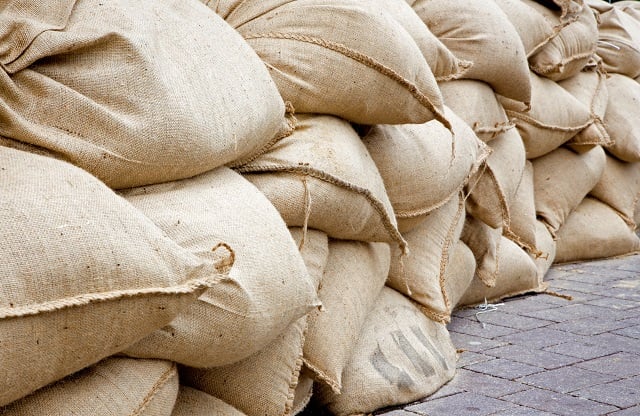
(545, 355)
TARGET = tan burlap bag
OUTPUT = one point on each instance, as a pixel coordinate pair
(477, 104)
(314, 249)
(619, 41)
(401, 356)
(619, 187)
(268, 287)
(113, 387)
(422, 274)
(262, 384)
(424, 165)
(561, 180)
(304, 391)
(492, 192)
(522, 224)
(353, 278)
(133, 92)
(484, 242)
(594, 231)
(323, 177)
(546, 250)
(555, 117)
(534, 29)
(338, 58)
(621, 119)
(470, 28)
(192, 402)
(460, 273)
(84, 273)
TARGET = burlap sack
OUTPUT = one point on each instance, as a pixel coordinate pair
(522, 227)
(459, 273)
(424, 165)
(84, 273)
(192, 402)
(546, 250)
(565, 54)
(268, 287)
(619, 41)
(594, 231)
(354, 275)
(477, 104)
(338, 58)
(471, 28)
(621, 119)
(534, 29)
(314, 249)
(323, 177)
(492, 193)
(262, 384)
(484, 242)
(133, 92)
(401, 356)
(422, 274)
(113, 387)
(304, 391)
(554, 118)
(561, 180)
(517, 274)
(619, 187)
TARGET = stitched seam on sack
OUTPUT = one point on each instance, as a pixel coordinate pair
(462, 67)
(443, 318)
(444, 258)
(159, 384)
(539, 124)
(555, 67)
(365, 60)
(295, 374)
(322, 375)
(555, 32)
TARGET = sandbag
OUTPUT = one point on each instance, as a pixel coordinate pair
(594, 231)
(484, 242)
(534, 29)
(522, 224)
(545, 250)
(460, 273)
(477, 104)
(262, 384)
(84, 273)
(619, 41)
(422, 274)
(323, 177)
(268, 287)
(469, 29)
(319, 65)
(304, 391)
(561, 180)
(135, 93)
(401, 356)
(621, 119)
(314, 249)
(619, 187)
(353, 278)
(424, 165)
(192, 402)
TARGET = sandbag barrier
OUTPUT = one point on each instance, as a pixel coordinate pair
(238, 207)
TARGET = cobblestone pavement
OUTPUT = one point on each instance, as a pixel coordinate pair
(545, 355)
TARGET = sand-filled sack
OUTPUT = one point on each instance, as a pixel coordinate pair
(134, 92)
(401, 356)
(85, 274)
(192, 402)
(619, 187)
(338, 58)
(460, 273)
(323, 177)
(522, 224)
(484, 242)
(112, 387)
(268, 287)
(545, 250)
(469, 29)
(621, 119)
(561, 180)
(424, 165)
(619, 40)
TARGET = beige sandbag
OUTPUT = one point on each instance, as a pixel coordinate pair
(594, 231)
(401, 356)
(135, 93)
(354, 275)
(561, 180)
(471, 28)
(555, 117)
(546, 250)
(320, 66)
(459, 273)
(567, 53)
(484, 242)
(192, 402)
(517, 274)
(477, 104)
(314, 249)
(262, 384)
(619, 41)
(268, 287)
(493, 191)
(304, 391)
(422, 274)
(534, 29)
(424, 165)
(84, 273)
(112, 387)
(522, 224)
(323, 177)
(619, 187)
(621, 119)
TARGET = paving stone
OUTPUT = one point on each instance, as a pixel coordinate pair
(504, 368)
(622, 364)
(448, 389)
(614, 303)
(512, 320)
(632, 411)
(575, 286)
(567, 379)
(461, 404)
(466, 358)
(473, 343)
(486, 385)
(617, 393)
(576, 297)
(568, 313)
(471, 326)
(397, 412)
(559, 404)
(585, 350)
(522, 411)
(620, 291)
(540, 337)
(531, 303)
(630, 331)
(623, 343)
(527, 355)
(588, 326)
(598, 275)
(553, 301)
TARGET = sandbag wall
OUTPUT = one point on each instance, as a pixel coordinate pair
(233, 207)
